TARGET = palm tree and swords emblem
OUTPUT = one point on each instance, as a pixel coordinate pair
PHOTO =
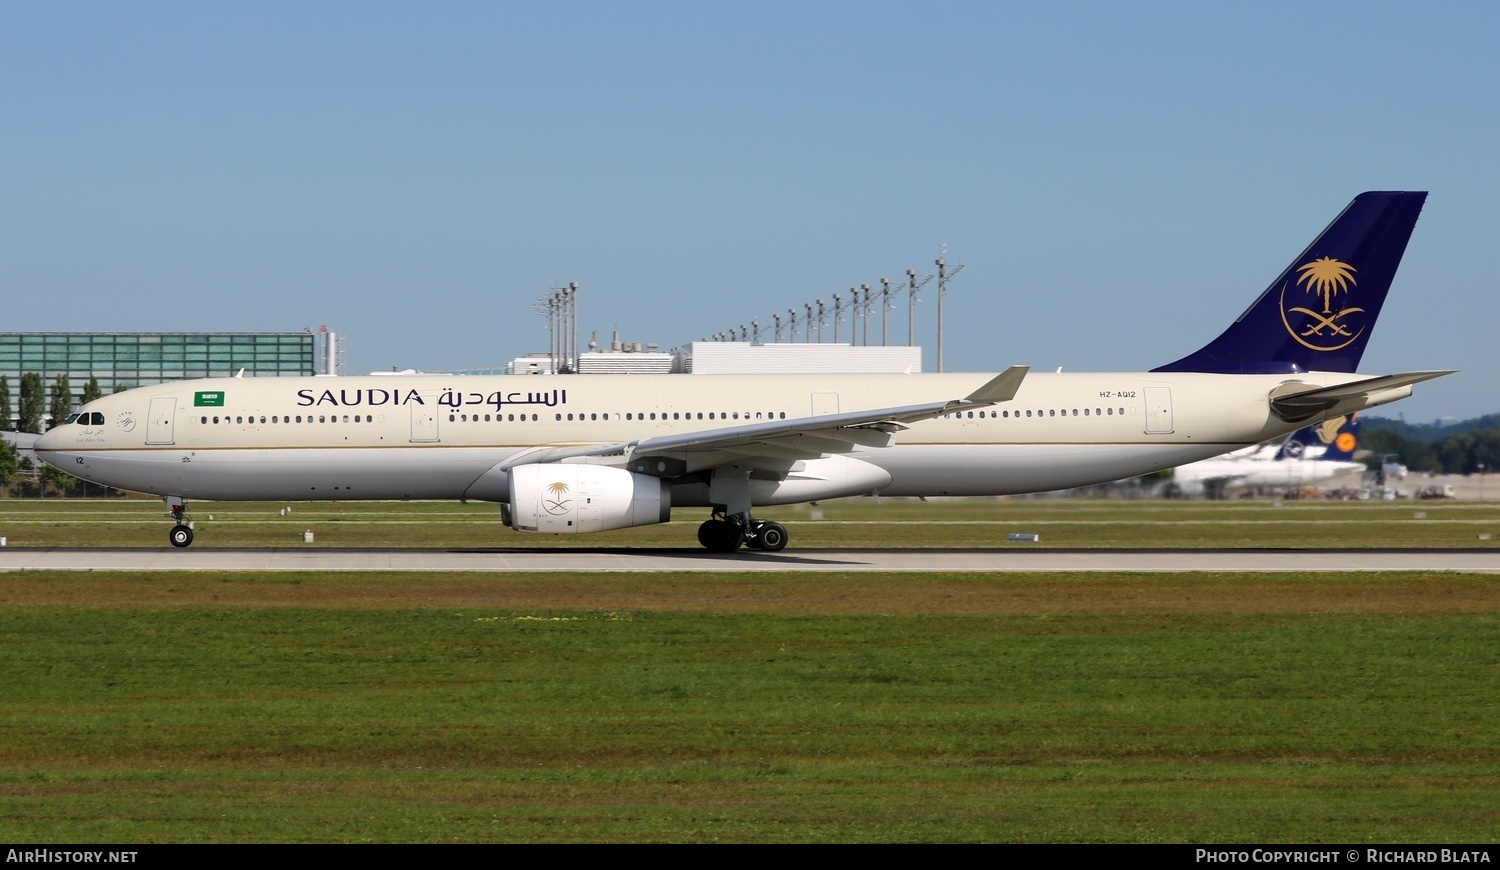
(1327, 277)
(553, 501)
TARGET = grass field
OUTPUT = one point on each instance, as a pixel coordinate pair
(287, 707)
(676, 707)
(1064, 523)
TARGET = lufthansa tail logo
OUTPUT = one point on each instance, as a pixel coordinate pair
(1329, 430)
(1329, 433)
(554, 502)
(1325, 278)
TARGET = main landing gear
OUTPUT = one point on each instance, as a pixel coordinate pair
(182, 532)
(725, 534)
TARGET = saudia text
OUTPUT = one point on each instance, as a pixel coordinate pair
(450, 398)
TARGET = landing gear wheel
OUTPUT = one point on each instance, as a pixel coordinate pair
(771, 537)
(720, 536)
(180, 536)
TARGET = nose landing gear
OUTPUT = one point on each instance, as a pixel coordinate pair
(181, 536)
(182, 532)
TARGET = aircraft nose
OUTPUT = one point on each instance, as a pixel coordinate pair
(46, 446)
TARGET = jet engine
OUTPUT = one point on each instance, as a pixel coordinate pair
(571, 499)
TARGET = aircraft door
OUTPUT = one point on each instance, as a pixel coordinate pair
(424, 423)
(1158, 410)
(160, 419)
(825, 403)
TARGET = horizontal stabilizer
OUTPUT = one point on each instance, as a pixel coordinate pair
(1300, 404)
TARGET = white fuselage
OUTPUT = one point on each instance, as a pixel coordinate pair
(436, 437)
(1263, 471)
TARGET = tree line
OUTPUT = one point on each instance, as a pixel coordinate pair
(34, 398)
(1464, 452)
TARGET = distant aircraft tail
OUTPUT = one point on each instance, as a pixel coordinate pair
(1318, 315)
(1338, 438)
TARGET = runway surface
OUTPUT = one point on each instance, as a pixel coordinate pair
(1485, 561)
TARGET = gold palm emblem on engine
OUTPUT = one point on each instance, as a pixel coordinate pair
(1325, 277)
(556, 504)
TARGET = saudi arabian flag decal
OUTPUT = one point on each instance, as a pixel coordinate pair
(205, 399)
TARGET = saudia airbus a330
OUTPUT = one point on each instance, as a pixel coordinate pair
(592, 453)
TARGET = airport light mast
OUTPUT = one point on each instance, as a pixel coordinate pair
(913, 285)
(573, 321)
(560, 306)
(885, 309)
(864, 339)
(943, 278)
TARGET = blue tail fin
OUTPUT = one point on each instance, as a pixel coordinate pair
(1340, 435)
(1318, 315)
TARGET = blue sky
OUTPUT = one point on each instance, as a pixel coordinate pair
(1119, 179)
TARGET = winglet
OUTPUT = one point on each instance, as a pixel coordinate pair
(1000, 388)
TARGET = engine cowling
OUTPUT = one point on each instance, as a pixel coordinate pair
(572, 499)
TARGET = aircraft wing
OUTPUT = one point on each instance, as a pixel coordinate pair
(774, 443)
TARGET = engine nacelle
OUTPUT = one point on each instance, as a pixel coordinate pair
(571, 499)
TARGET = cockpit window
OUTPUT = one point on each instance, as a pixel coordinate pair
(71, 418)
(96, 419)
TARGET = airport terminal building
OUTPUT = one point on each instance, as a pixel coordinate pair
(122, 360)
